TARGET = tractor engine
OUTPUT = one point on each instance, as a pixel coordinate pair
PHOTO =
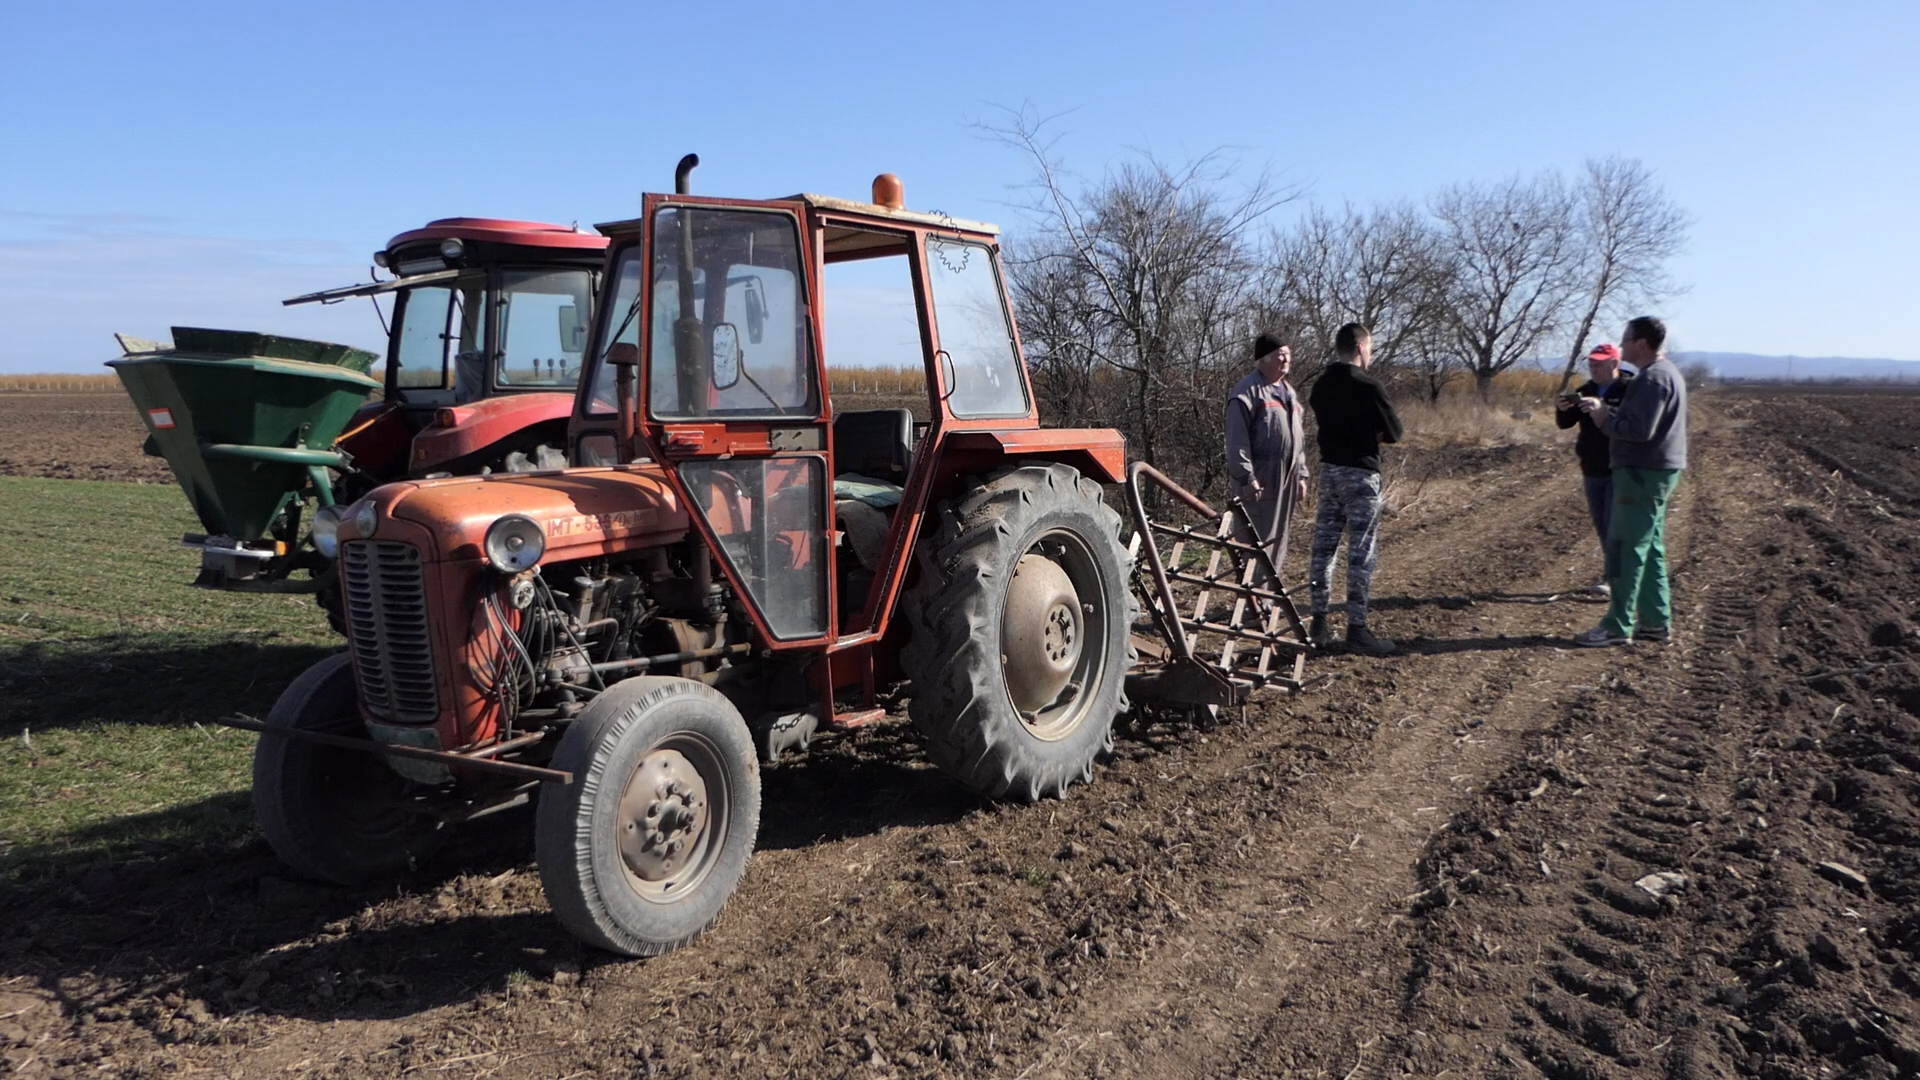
(458, 641)
(545, 643)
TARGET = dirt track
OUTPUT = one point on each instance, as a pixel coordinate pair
(1425, 868)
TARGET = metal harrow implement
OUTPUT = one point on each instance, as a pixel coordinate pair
(1227, 628)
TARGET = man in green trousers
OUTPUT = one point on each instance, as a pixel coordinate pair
(1648, 449)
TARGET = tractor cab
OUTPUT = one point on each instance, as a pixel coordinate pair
(812, 504)
(489, 327)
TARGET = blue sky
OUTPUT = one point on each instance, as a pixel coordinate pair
(196, 163)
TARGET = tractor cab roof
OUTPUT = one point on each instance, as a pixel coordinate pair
(841, 239)
(442, 249)
(502, 231)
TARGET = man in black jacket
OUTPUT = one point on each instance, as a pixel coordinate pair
(1354, 417)
(1591, 446)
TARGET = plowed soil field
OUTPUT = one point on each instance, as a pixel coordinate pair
(1494, 855)
(83, 436)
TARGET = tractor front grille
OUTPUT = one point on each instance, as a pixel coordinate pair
(386, 601)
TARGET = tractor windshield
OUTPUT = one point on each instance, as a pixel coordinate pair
(442, 343)
(543, 327)
(728, 324)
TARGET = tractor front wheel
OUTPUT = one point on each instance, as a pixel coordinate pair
(1021, 628)
(331, 813)
(642, 851)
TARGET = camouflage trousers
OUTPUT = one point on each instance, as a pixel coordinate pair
(1350, 504)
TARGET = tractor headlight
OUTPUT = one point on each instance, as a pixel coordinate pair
(326, 530)
(366, 517)
(515, 543)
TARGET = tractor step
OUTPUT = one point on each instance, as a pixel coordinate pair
(1227, 628)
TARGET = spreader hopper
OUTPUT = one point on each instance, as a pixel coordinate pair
(248, 422)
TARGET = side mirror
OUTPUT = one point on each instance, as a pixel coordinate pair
(573, 336)
(725, 350)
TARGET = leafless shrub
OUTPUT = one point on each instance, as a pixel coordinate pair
(1134, 295)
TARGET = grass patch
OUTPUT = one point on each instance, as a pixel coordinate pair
(113, 669)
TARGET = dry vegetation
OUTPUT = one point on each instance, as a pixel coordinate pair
(884, 381)
(63, 383)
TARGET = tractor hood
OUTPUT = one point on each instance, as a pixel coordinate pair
(462, 430)
(584, 512)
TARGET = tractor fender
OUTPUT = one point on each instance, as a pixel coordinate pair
(1098, 453)
(480, 424)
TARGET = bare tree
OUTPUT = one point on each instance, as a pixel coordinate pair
(1628, 230)
(1382, 269)
(1140, 283)
(1514, 254)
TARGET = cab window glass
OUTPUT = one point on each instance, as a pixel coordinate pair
(983, 369)
(421, 353)
(768, 515)
(466, 338)
(543, 326)
(621, 326)
(728, 332)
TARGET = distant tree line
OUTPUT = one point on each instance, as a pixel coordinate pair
(1138, 292)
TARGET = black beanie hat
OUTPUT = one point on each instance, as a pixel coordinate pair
(1265, 344)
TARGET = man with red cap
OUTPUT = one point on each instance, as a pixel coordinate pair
(1609, 384)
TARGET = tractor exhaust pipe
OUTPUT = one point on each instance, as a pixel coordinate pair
(682, 171)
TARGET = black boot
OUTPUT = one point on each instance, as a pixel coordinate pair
(1360, 639)
(1317, 632)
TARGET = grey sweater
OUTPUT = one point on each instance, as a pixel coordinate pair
(1648, 427)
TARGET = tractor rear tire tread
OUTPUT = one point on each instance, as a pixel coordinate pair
(960, 704)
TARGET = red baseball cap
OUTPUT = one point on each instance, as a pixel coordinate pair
(1604, 351)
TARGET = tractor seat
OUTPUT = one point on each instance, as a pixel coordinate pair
(872, 450)
(874, 443)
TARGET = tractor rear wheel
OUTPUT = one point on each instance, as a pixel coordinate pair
(1021, 628)
(642, 851)
(331, 813)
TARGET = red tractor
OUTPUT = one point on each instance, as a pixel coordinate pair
(489, 329)
(730, 564)
(487, 340)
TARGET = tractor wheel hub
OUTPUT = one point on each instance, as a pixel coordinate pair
(1041, 633)
(663, 814)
